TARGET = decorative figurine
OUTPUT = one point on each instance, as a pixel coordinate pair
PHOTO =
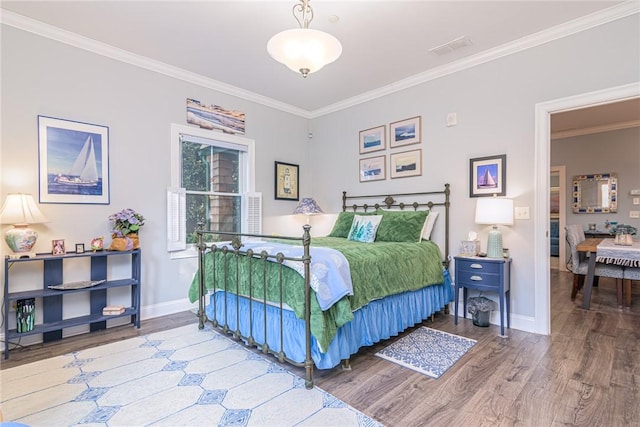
(97, 244)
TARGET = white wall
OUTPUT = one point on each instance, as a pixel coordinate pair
(44, 77)
(495, 103)
(607, 152)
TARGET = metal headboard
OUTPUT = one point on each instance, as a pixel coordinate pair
(391, 200)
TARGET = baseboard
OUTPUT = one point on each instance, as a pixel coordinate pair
(519, 322)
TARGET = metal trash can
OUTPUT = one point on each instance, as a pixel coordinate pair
(480, 309)
(25, 315)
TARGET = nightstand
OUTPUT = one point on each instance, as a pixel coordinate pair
(484, 274)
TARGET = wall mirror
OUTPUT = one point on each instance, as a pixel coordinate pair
(597, 193)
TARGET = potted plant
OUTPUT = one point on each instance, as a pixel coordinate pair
(124, 231)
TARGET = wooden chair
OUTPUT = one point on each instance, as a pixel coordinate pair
(578, 263)
(630, 274)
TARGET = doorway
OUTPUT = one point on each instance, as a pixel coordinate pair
(557, 214)
(543, 112)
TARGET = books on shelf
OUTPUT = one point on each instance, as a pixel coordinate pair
(110, 310)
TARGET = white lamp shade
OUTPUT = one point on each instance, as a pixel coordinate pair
(304, 49)
(494, 210)
(21, 209)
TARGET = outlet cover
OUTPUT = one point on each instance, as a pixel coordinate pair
(634, 214)
(636, 200)
(521, 212)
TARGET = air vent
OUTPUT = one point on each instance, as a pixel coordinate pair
(450, 46)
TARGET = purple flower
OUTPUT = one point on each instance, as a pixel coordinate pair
(125, 222)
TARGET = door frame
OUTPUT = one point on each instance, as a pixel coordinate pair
(543, 111)
(562, 214)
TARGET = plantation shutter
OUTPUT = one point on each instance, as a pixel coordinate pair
(176, 219)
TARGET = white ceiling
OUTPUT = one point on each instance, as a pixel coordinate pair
(222, 44)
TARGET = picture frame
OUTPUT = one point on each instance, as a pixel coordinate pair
(57, 247)
(488, 176)
(373, 169)
(73, 162)
(374, 139)
(405, 132)
(79, 248)
(405, 164)
(287, 181)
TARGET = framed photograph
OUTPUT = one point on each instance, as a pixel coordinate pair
(287, 181)
(74, 161)
(373, 139)
(488, 176)
(373, 169)
(79, 248)
(57, 247)
(405, 132)
(407, 163)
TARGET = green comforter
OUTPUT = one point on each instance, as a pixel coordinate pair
(377, 270)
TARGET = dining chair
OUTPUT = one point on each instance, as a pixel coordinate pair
(630, 274)
(578, 263)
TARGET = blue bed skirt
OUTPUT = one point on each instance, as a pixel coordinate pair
(378, 320)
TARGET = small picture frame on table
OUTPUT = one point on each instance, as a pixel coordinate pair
(57, 247)
(79, 248)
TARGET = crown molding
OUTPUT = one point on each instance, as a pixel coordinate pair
(73, 39)
(596, 19)
(595, 129)
(577, 25)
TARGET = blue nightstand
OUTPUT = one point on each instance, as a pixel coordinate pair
(484, 274)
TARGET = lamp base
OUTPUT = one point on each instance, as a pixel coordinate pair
(494, 243)
(21, 239)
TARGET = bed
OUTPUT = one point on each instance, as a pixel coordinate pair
(257, 288)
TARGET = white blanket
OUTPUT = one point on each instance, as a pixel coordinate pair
(330, 274)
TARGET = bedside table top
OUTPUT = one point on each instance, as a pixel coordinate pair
(482, 258)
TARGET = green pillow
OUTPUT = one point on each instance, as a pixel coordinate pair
(401, 226)
(343, 223)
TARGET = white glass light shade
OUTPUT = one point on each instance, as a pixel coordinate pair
(21, 210)
(494, 210)
(304, 50)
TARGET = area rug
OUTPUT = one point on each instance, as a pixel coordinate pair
(428, 351)
(180, 377)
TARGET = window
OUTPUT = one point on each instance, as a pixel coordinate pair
(212, 173)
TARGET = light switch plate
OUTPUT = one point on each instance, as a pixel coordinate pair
(521, 212)
(636, 200)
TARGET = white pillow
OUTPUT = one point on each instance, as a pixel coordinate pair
(364, 228)
(428, 225)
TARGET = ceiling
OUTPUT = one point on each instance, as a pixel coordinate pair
(222, 44)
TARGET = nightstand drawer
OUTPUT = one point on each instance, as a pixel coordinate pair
(475, 265)
(478, 278)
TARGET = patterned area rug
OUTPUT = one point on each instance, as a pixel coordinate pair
(179, 377)
(428, 351)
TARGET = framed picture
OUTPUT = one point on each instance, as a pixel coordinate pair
(74, 161)
(287, 181)
(373, 169)
(407, 163)
(487, 176)
(405, 132)
(57, 247)
(373, 139)
(79, 248)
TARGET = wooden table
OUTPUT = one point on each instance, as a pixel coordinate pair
(589, 246)
(631, 258)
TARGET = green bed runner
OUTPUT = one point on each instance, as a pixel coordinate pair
(377, 269)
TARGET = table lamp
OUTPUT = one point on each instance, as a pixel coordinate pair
(308, 207)
(21, 210)
(495, 211)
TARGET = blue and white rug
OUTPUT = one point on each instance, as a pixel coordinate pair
(428, 351)
(180, 377)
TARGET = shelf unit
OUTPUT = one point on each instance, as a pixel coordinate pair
(52, 300)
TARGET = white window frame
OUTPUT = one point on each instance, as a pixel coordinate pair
(248, 175)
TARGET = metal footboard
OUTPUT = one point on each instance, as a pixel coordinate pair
(231, 285)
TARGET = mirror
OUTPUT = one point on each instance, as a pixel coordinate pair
(596, 193)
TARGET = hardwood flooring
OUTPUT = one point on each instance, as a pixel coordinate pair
(587, 373)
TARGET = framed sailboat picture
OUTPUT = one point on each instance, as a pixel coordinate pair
(488, 176)
(74, 161)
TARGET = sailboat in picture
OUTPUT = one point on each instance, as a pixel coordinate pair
(487, 181)
(84, 171)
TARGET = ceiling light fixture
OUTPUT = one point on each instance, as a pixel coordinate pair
(302, 49)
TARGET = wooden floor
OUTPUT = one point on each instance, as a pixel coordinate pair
(587, 373)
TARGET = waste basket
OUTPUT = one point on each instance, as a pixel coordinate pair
(480, 309)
